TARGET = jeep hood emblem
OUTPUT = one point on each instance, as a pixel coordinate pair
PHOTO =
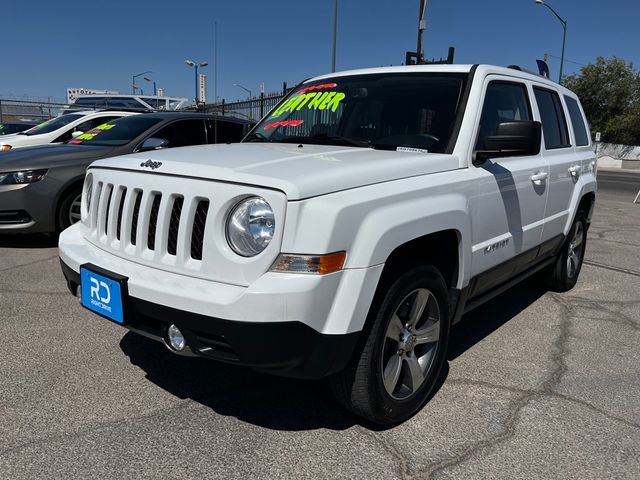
(152, 165)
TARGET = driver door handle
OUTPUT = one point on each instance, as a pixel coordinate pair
(539, 178)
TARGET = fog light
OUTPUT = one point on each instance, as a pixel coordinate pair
(79, 293)
(176, 339)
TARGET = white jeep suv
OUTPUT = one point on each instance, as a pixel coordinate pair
(357, 222)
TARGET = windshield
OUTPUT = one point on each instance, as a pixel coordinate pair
(7, 128)
(116, 132)
(53, 124)
(395, 111)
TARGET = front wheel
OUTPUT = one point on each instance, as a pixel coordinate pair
(69, 210)
(398, 363)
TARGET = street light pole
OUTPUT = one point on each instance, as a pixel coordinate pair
(244, 88)
(564, 35)
(150, 80)
(196, 65)
(136, 76)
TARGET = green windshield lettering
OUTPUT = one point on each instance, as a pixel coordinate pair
(333, 102)
(305, 98)
(326, 100)
(317, 100)
(86, 136)
(312, 100)
(281, 109)
(293, 103)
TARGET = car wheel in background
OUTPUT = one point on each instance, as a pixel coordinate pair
(69, 210)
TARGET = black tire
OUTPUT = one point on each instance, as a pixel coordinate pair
(63, 217)
(360, 387)
(561, 277)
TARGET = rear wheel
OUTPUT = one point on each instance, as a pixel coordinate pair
(398, 363)
(563, 275)
(69, 210)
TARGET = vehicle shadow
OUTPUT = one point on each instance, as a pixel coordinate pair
(28, 240)
(489, 317)
(268, 401)
(290, 404)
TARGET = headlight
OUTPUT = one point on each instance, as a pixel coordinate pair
(250, 226)
(19, 178)
(5, 147)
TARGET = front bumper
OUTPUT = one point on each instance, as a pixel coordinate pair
(26, 208)
(302, 326)
(283, 348)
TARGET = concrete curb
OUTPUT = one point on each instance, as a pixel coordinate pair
(606, 161)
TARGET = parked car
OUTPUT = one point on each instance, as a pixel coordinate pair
(60, 129)
(7, 128)
(348, 231)
(40, 186)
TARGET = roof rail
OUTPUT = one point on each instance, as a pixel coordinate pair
(543, 69)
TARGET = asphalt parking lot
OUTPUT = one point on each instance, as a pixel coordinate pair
(538, 385)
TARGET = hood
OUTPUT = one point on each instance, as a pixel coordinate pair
(47, 156)
(299, 171)
(9, 138)
(19, 139)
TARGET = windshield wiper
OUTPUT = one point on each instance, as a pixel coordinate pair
(328, 139)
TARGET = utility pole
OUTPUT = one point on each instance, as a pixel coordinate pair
(215, 82)
(215, 62)
(335, 31)
(422, 25)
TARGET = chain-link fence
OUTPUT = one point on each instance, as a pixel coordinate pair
(254, 108)
(14, 110)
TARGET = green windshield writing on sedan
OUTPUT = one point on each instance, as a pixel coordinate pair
(92, 133)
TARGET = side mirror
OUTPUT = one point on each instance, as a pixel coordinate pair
(512, 139)
(153, 143)
(76, 134)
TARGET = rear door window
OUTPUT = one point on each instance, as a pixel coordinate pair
(225, 132)
(577, 121)
(182, 133)
(554, 124)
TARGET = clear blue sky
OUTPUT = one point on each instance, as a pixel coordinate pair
(101, 44)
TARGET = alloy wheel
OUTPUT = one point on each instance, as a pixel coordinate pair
(410, 344)
(74, 209)
(574, 254)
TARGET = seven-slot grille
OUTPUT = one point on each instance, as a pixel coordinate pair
(133, 219)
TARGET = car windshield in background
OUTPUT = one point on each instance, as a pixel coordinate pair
(52, 125)
(117, 132)
(7, 128)
(388, 111)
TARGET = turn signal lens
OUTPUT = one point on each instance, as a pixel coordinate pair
(313, 264)
(5, 147)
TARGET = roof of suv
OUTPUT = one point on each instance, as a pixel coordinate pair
(452, 68)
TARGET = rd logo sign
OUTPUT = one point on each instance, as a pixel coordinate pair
(101, 294)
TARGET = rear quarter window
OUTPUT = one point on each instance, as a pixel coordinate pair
(580, 132)
(554, 124)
